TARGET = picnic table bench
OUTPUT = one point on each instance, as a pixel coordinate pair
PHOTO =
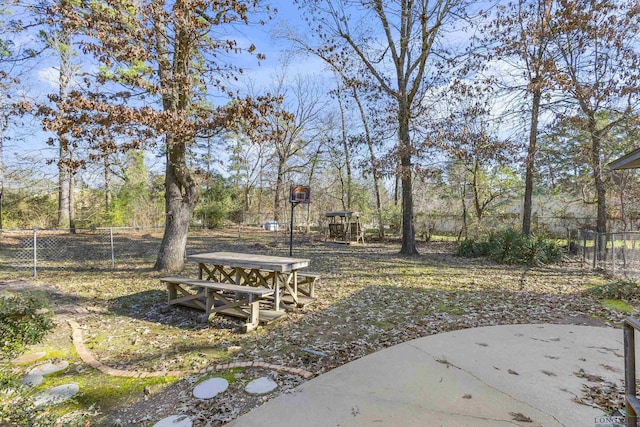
(307, 283)
(250, 286)
(273, 272)
(214, 297)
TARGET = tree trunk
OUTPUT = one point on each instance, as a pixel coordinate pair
(277, 201)
(479, 208)
(345, 146)
(396, 186)
(527, 207)
(180, 200)
(408, 231)
(63, 186)
(181, 191)
(63, 40)
(72, 199)
(374, 163)
(107, 186)
(601, 192)
(261, 190)
(314, 162)
(3, 128)
(465, 229)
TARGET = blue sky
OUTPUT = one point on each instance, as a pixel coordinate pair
(30, 140)
(25, 137)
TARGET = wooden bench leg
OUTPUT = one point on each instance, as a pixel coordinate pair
(208, 306)
(254, 317)
(312, 288)
(172, 293)
(310, 284)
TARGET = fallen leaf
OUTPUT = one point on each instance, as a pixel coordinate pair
(517, 416)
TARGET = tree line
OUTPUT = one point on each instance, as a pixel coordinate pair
(418, 105)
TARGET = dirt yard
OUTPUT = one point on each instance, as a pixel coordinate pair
(369, 298)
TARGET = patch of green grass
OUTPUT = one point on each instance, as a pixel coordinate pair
(449, 309)
(103, 391)
(443, 238)
(53, 354)
(229, 375)
(618, 305)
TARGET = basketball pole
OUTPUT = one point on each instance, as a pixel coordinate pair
(297, 194)
(293, 205)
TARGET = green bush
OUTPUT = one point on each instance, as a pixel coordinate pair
(24, 320)
(16, 404)
(17, 408)
(513, 247)
(620, 289)
(470, 248)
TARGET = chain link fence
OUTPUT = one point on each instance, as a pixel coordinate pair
(26, 252)
(617, 253)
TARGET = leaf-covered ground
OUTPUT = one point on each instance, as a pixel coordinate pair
(369, 298)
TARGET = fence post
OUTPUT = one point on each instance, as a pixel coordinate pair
(35, 252)
(113, 257)
(595, 248)
(613, 254)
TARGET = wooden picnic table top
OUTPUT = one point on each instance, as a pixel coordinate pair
(251, 261)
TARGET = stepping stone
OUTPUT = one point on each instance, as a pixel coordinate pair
(56, 395)
(29, 358)
(262, 385)
(210, 388)
(49, 368)
(32, 380)
(175, 421)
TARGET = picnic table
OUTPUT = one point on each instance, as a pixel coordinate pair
(274, 272)
(253, 279)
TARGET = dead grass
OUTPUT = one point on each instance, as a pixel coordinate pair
(369, 298)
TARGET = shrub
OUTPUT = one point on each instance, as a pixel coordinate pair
(24, 320)
(513, 247)
(16, 404)
(467, 248)
(620, 289)
(17, 407)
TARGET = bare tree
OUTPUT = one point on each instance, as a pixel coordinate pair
(521, 30)
(292, 127)
(340, 66)
(398, 65)
(598, 72)
(345, 146)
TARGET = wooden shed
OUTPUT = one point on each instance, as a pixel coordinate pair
(345, 227)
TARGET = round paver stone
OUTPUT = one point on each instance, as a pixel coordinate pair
(49, 368)
(32, 380)
(175, 421)
(262, 385)
(56, 394)
(29, 358)
(210, 388)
